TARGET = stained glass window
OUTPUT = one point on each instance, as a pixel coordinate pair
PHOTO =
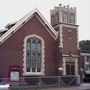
(33, 54)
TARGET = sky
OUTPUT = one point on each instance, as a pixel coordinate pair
(13, 10)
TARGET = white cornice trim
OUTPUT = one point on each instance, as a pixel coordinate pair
(70, 55)
(69, 25)
(22, 21)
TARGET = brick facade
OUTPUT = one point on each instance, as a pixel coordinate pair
(11, 51)
(61, 46)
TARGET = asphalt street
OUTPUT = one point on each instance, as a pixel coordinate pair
(84, 86)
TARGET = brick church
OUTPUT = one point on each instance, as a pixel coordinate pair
(33, 47)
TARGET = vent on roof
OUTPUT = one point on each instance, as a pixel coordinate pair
(7, 27)
(10, 25)
(3, 31)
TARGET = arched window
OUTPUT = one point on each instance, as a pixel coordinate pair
(34, 55)
(65, 17)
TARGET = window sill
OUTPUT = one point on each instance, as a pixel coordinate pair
(33, 74)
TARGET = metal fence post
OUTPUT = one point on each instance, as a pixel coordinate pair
(78, 80)
(59, 80)
(39, 81)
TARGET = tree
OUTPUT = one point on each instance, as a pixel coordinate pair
(84, 46)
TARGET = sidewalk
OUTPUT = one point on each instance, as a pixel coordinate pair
(81, 87)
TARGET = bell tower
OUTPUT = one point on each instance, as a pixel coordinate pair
(63, 19)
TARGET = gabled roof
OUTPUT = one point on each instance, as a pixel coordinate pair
(26, 18)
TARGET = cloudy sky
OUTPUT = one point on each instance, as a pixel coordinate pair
(13, 10)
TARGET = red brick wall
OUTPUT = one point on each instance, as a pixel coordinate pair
(69, 45)
(11, 51)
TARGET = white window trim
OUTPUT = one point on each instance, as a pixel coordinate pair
(65, 17)
(74, 59)
(25, 73)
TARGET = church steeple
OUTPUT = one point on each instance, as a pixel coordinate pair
(63, 19)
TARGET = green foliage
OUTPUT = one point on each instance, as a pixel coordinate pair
(85, 46)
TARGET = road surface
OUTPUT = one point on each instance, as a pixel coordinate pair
(84, 86)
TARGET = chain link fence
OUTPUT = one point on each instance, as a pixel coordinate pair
(25, 83)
